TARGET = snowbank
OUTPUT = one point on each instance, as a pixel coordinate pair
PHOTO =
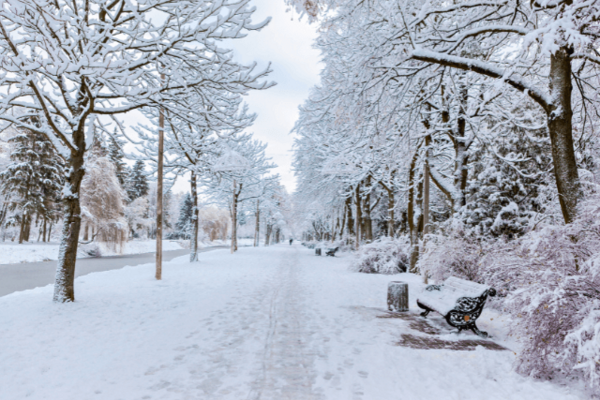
(272, 323)
(11, 253)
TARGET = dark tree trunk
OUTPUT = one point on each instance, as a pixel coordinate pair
(368, 222)
(195, 221)
(461, 169)
(560, 127)
(350, 218)
(257, 225)
(44, 230)
(358, 216)
(268, 234)
(412, 226)
(64, 290)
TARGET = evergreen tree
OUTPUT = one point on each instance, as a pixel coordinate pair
(137, 185)
(183, 228)
(33, 181)
(116, 155)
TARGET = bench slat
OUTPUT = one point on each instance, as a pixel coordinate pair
(467, 288)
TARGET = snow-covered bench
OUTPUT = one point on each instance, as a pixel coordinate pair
(331, 252)
(459, 301)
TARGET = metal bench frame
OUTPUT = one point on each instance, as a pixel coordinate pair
(331, 252)
(465, 312)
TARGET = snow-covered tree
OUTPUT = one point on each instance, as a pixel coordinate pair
(76, 65)
(32, 181)
(184, 226)
(137, 181)
(103, 203)
(117, 156)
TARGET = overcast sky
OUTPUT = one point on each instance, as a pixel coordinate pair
(287, 43)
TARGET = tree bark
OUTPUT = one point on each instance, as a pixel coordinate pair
(159, 192)
(268, 234)
(350, 218)
(195, 221)
(234, 218)
(368, 222)
(358, 216)
(560, 127)
(257, 224)
(64, 288)
(414, 238)
(461, 158)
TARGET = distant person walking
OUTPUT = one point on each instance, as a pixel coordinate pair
(291, 240)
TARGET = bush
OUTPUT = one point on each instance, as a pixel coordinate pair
(384, 256)
(91, 250)
(456, 253)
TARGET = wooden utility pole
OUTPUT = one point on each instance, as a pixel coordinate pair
(234, 219)
(195, 218)
(159, 192)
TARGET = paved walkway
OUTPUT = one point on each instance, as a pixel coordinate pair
(23, 276)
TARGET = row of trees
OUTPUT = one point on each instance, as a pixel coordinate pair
(467, 129)
(71, 69)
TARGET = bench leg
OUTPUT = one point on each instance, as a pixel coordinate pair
(427, 310)
(476, 331)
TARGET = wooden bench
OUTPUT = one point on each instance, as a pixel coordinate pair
(331, 252)
(460, 302)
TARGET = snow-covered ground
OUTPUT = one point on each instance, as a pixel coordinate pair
(271, 323)
(11, 253)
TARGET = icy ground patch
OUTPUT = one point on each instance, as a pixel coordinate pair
(273, 323)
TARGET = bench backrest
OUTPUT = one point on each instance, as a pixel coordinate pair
(465, 288)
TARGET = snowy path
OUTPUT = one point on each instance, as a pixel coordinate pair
(271, 323)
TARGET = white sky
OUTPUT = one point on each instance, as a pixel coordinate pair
(287, 43)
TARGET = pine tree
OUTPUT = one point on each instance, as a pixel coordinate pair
(33, 181)
(116, 155)
(183, 228)
(137, 185)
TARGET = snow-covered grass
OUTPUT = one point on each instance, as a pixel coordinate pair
(12, 253)
(271, 323)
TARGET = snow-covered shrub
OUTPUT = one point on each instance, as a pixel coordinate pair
(457, 252)
(91, 249)
(554, 278)
(383, 256)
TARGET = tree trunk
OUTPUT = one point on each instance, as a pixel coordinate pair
(358, 216)
(343, 224)
(560, 128)
(350, 218)
(159, 192)
(22, 229)
(426, 188)
(368, 222)
(44, 230)
(414, 238)
(461, 157)
(64, 288)
(234, 219)
(391, 217)
(195, 221)
(85, 232)
(257, 225)
(268, 234)
(27, 229)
